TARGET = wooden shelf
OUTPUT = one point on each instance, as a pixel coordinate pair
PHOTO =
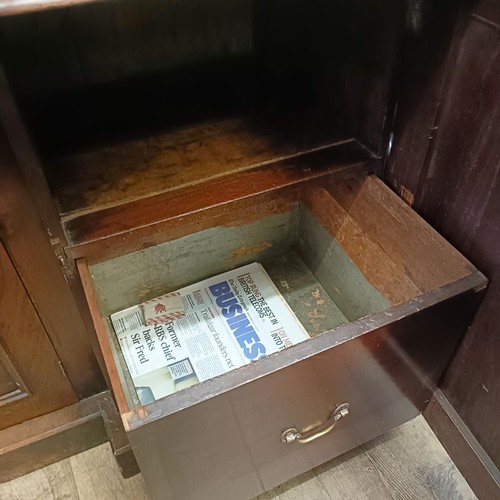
(111, 176)
(220, 200)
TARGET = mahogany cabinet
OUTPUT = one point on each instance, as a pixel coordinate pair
(170, 141)
(31, 379)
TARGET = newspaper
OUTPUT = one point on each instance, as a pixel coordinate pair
(227, 321)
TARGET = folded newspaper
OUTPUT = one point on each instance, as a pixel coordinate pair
(218, 324)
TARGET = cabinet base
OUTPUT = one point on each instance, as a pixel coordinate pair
(45, 440)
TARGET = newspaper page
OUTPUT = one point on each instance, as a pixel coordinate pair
(227, 321)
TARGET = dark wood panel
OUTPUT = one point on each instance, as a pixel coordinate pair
(349, 46)
(420, 75)
(8, 385)
(457, 189)
(489, 10)
(28, 244)
(97, 71)
(44, 440)
(119, 174)
(464, 163)
(466, 452)
(460, 195)
(473, 379)
(144, 221)
(40, 385)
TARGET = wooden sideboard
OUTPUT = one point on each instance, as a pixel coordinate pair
(132, 130)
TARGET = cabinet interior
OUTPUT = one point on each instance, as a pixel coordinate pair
(127, 100)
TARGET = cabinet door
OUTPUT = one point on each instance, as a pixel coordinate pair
(32, 380)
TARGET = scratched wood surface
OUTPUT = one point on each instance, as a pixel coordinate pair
(451, 175)
(405, 464)
(31, 381)
(188, 155)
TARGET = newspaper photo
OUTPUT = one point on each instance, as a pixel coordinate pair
(216, 325)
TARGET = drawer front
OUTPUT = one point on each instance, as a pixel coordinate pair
(221, 438)
(229, 446)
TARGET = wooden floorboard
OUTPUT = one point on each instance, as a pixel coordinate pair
(408, 463)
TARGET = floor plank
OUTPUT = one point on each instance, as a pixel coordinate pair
(352, 476)
(97, 476)
(408, 463)
(54, 482)
(414, 465)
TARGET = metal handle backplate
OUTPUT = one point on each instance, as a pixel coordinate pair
(292, 435)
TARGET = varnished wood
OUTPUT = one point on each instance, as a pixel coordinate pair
(38, 383)
(365, 252)
(339, 54)
(47, 439)
(102, 335)
(28, 245)
(30, 166)
(406, 369)
(115, 175)
(117, 289)
(455, 181)
(75, 68)
(144, 222)
(427, 258)
(12, 384)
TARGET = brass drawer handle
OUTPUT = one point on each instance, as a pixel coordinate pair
(292, 435)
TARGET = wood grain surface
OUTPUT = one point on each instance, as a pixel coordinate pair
(427, 258)
(32, 380)
(455, 184)
(365, 252)
(102, 335)
(119, 174)
(29, 247)
(94, 235)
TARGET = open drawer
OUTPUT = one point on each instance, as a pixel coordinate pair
(383, 296)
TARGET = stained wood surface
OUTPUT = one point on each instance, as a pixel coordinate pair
(365, 252)
(398, 252)
(102, 335)
(119, 174)
(31, 378)
(456, 188)
(95, 234)
(29, 247)
(406, 464)
(75, 68)
(427, 258)
(47, 439)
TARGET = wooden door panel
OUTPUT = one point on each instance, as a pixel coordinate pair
(12, 385)
(32, 381)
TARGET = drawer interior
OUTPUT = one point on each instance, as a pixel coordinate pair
(338, 252)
